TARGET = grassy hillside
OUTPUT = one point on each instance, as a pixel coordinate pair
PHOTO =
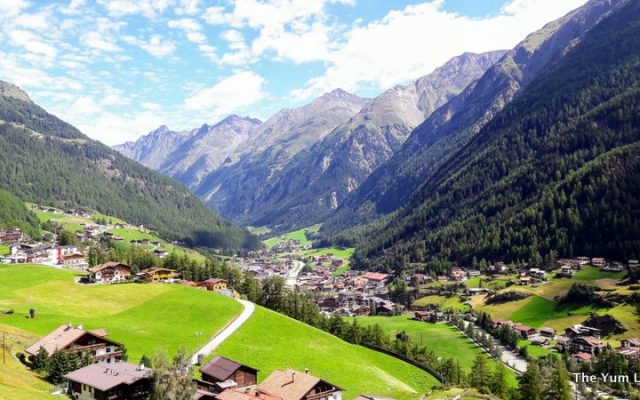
(16, 381)
(271, 341)
(144, 317)
(48, 161)
(13, 213)
(444, 340)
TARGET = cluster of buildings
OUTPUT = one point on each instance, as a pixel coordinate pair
(108, 377)
(265, 266)
(45, 253)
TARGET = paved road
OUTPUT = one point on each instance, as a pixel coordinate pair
(292, 276)
(221, 336)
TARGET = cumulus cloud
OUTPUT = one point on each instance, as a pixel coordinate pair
(156, 45)
(228, 96)
(412, 42)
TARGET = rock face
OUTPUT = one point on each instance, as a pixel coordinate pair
(318, 180)
(153, 148)
(453, 125)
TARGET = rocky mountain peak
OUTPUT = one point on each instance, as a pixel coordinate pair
(10, 90)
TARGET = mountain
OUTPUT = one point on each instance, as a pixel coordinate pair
(235, 189)
(208, 148)
(555, 172)
(454, 125)
(316, 181)
(153, 149)
(47, 161)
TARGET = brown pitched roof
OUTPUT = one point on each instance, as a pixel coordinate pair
(106, 376)
(100, 267)
(221, 368)
(102, 332)
(245, 394)
(60, 338)
(289, 384)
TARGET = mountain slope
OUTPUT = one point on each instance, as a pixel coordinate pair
(209, 148)
(48, 161)
(235, 188)
(452, 126)
(14, 214)
(315, 182)
(152, 149)
(555, 172)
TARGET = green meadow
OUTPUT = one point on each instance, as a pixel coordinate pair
(144, 317)
(270, 341)
(442, 339)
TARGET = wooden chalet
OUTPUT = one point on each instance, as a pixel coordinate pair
(221, 369)
(118, 381)
(11, 235)
(76, 340)
(157, 274)
(74, 260)
(214, 284)
(629, 348)
(109, 272)
(586, 344)
(296, 385)
(523, 330)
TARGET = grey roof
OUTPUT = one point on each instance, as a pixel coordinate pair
(106, 376)
(221, 368)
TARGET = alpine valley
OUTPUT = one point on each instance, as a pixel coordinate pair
(473, 233)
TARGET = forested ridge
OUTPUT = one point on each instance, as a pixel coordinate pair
(556, 172)
(14, 214)
(48, 161)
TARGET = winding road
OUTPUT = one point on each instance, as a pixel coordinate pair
(292, 276)
(227, 331)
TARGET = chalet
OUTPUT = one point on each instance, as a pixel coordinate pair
(586, 344)
(244, 394)
(377, 277)
(614, 266)
(76, 340)
(385, 309)
(429, 316)
(214, 284)
(117, 238)
(75, 261)
(475, 291)
(420, 279)
(118, 381)
(598, 262)
(538, 274)
(523, 330)
(633, 264)
(221, 369)
(499, 268)
(582, 260)
(567, 271)
(458, 274)
(11, 235)
(473, 272)
(578, 330)
(295, 385)
(582, 357)
(524, 280)
(548, 332)
(629, 348)
(109, 272)
(157, 274)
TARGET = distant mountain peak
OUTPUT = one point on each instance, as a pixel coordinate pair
(10, 90)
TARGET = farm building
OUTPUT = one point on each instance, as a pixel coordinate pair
(215, 284)
(221, 369)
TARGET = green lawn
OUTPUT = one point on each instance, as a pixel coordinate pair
(593, 273)
(443, 339)
(446, 303)
(270, 341)
(4, 250)
(294, 235)
(144, 317)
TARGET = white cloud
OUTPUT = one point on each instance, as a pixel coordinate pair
(412, 42)
(11, 8)
(156, 45)
(228, 96)
(32, 43)
(148, 8)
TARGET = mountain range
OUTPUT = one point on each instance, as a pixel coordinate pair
(513, 155)
(301, 164)
(45, 160)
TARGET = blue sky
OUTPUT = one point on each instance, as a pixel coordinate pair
(117, 69)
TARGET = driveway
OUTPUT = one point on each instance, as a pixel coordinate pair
(227, 331)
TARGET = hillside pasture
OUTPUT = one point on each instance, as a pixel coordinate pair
(270, 341)
(144, 317)
(445, 303)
